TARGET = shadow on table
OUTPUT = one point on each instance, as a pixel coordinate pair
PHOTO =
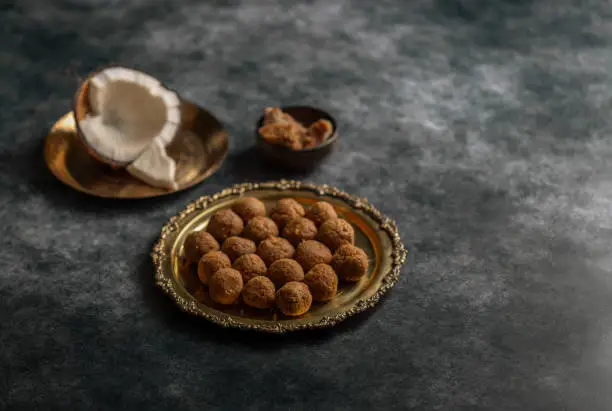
(249, 166)
(171, 316)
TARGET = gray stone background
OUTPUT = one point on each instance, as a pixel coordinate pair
(482, 127)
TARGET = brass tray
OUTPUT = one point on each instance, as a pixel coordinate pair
(199, 150)
(375, 233)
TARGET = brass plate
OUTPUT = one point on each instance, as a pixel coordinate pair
(199, 150)
(374, 232)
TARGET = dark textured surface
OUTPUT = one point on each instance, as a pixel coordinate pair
(481, 126)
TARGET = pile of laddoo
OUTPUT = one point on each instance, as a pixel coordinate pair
(286, 258)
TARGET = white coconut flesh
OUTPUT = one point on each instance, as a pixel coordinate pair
(155, 167)
(133, 116)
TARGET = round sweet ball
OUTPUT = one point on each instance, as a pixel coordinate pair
(210, 263)
(225, 286)
(259, 292)
(274, 248)
(224, 224)
(320, 212)
(199, 243)
(286, 209)
(259, 228)
(350, 262)
(299, 229)
(285, 270)
(234, 247)
(310, 253)
(250, 265)
(322, 281)
(293, 299)
(249, 207)
(336, 232)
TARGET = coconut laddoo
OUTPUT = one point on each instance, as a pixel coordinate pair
(210, 263)
(259, 292)
(224, 224)
(286, 210)
(350, 262)
(322, 282)
(225, 286)
(274, 248)
(285, 270)
(298, 230)
(293, 299)
(259, 228)
(197, 244)
(336, 232)
(320, 212)
(250, 265)
(310, 253)
(234, 247)
(248, 208)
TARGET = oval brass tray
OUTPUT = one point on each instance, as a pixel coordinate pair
(374, 232)
(199, 150)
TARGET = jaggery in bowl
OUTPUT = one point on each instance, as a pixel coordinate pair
(302, 159)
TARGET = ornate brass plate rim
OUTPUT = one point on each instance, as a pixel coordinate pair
(163, 264)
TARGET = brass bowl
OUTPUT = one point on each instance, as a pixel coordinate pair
(376, 234)
(199, 150)
(298, 159)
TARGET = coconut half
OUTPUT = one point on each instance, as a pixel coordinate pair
(132, 119)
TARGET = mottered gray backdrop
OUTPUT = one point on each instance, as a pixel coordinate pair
(483, 128)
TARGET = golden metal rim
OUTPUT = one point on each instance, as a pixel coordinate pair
(49, 155)
(165, 282)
